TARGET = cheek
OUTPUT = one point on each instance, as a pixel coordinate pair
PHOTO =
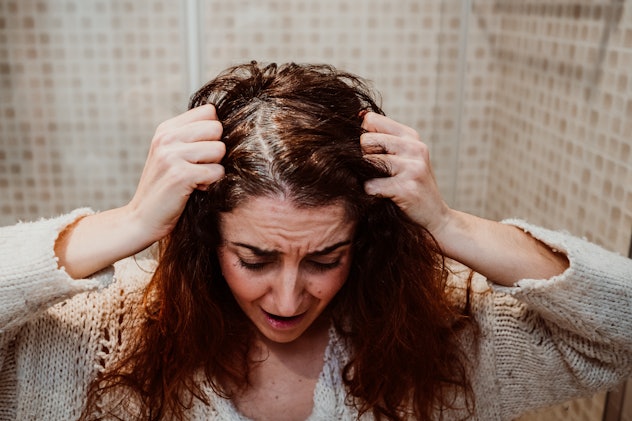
(328, 286)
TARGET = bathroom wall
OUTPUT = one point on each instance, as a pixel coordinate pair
(557, 136)
(553, 84)
(82, 86)
(84, 83)
(526, 105)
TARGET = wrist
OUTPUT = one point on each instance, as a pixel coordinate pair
(137, 227)
(449, 229)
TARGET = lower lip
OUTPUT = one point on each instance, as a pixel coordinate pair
(285, 323)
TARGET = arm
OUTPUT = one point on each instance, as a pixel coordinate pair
(560, 338)
(557, 325)
(502, 253)
(43, 263)
(184, 156)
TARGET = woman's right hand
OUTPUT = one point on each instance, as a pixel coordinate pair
(185, 155)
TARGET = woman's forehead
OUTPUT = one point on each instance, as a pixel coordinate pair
(277, 223)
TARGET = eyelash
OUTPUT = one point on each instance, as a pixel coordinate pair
(316, 266)
(323, 267)
(255, 267)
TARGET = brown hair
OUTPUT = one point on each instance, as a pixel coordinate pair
(294, 130)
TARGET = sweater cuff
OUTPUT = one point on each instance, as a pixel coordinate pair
(30, 279)
(591, 296)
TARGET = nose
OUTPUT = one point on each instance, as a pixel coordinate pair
(288, 291)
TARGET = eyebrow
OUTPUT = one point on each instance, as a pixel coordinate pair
(272, 253)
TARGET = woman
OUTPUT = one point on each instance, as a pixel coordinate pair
(301, 274)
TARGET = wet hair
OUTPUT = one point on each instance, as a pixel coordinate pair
(293, 131)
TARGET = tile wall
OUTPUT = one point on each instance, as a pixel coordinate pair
(82, 86)
(548, 120)
(559, 102)
(526, 105)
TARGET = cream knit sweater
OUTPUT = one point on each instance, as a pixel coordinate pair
(543, 341)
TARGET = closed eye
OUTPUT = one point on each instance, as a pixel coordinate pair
(253, 266)
(323, 266)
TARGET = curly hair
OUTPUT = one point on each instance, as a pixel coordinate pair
(294, 130)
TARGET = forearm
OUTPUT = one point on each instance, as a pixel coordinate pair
(502, 253)
(97, 241)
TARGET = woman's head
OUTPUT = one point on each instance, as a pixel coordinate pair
(292, 134)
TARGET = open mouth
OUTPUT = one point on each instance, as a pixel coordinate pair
(280, 322)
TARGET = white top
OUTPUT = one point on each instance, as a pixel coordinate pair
(542, 341)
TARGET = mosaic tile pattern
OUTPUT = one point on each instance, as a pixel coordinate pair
(548, 122)
(560, 115)
(526, 105)
(83, 85)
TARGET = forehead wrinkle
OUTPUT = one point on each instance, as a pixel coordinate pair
(274, 225)
(277, 239)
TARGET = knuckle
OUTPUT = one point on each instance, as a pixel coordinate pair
(164, 155)
(177, 175)
(164, 127)
(419, 148)
(162, 137)
(413, 134)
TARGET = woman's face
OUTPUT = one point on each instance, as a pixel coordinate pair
(284, 264)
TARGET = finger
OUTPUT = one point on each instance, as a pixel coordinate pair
(200, 130)
(379, 143)
(196, 131)
(207, 174)
(388, 163)
(381, 187)
(203, 112)
(378, 123)
(203, 152)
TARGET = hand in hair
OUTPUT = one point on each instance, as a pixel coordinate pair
(500, 252)
(184, 155)
(412, 184)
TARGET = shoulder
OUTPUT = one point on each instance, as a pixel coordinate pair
(134, 273)
(463, 281)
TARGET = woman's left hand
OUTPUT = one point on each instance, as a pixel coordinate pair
(500, 252)
(412, 185)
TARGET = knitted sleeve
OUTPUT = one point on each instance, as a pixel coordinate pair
(30, 280)
(56, 332)
(567, 336)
